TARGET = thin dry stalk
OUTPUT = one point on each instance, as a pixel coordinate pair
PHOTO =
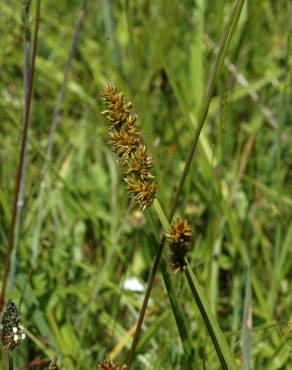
(25, 73)
(21, 158)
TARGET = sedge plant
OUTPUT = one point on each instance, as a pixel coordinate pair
(126, 142)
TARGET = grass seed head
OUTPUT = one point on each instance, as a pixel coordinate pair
(179, 237)
(118, 110)
(140, 163)
(53, 363)
(11, 330)
(125, 139)
(124, 143)
(141, 192)
(109, 365)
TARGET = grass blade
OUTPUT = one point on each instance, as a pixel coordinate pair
(223, 351)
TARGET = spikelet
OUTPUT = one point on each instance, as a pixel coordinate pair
(125, 139)
(179, 237)
(117, 108)
(109, 365)
(140, 163)
(124, 143)
(11, 330)
(141, 192)
(289, 329)
(53, 363)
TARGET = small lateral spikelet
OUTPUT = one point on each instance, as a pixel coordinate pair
(11, 330)
(53, 363)
(179, 237)
(125, 139)
(109, 365)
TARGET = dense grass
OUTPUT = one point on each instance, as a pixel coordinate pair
(80, 240)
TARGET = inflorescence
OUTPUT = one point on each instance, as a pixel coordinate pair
(12, 333)
(125, 139)
(108, 365)
(179, 237)
(54, 361)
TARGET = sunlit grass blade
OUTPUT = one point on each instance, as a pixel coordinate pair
(223, 351)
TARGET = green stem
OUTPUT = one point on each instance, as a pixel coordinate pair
(216, 67)
(161, 215)
(222, 49)
(223, 351)
(145, 301)
(219, 341)
(10, 360)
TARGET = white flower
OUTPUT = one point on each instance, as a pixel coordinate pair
(133, 284)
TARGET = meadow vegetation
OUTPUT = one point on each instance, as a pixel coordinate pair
(83, 250)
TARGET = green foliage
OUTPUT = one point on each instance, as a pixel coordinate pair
(88, 240)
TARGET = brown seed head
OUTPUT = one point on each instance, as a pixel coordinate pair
(11, 330)
(140, 163)
(180, 232)
(109, 365)
(53, 363)
(125, 138)
(177, 259)
(123, 142)
(141, 192)
(118, 110)
(179, 237)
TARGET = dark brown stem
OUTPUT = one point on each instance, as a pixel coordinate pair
(21, 159)
(222, 49)
(10, 360)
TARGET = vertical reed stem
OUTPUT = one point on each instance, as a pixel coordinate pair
(10, 360)
(25, 74)
(21, 158)
(215, 69)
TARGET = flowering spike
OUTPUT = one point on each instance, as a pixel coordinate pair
(109, 365)
(141, 192)
(179, 237)
(125, 139)
(11, 331)
(53, 363)
(140, 163)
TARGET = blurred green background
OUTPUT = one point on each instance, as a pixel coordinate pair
(83, 251)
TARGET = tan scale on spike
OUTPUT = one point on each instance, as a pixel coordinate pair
(126, 141)
(109, 365)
